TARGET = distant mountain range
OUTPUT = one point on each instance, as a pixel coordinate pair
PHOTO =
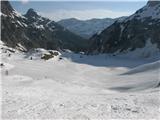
(33, 31)
(87, 28)
(138, 31)
(122, 35)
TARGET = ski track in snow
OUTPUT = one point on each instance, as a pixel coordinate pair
(70, 89)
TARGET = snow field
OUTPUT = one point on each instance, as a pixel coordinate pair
(91, 87)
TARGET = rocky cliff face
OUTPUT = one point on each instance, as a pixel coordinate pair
(32, 31)
(12, 28)
(132, 33)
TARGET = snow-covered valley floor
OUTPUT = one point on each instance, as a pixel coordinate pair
(88, 87)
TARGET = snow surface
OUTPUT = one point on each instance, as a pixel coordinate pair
(21, 47)
(37, 53)
(17, 14)
(79, 87)
(35, 24)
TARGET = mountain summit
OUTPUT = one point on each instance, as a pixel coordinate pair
(31, 13)
(152, 3)
(6, 8)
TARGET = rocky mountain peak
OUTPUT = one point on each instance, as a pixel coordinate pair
(6, 8)
(31, 13)
(152, 3)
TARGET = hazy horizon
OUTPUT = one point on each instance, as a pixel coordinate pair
(84, 10)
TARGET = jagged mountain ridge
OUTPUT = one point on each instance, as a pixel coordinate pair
(32, 31)
(132, 33)
(87, 28)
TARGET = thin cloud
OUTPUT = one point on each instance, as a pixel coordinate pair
(24, 1)
(84, 14)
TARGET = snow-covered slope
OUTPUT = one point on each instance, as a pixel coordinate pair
(145, 68)
(87, 28)
(142, 77)
(79, 87)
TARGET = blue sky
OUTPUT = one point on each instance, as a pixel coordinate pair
(83, 10)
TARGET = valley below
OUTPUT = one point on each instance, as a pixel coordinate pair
(79, 87)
